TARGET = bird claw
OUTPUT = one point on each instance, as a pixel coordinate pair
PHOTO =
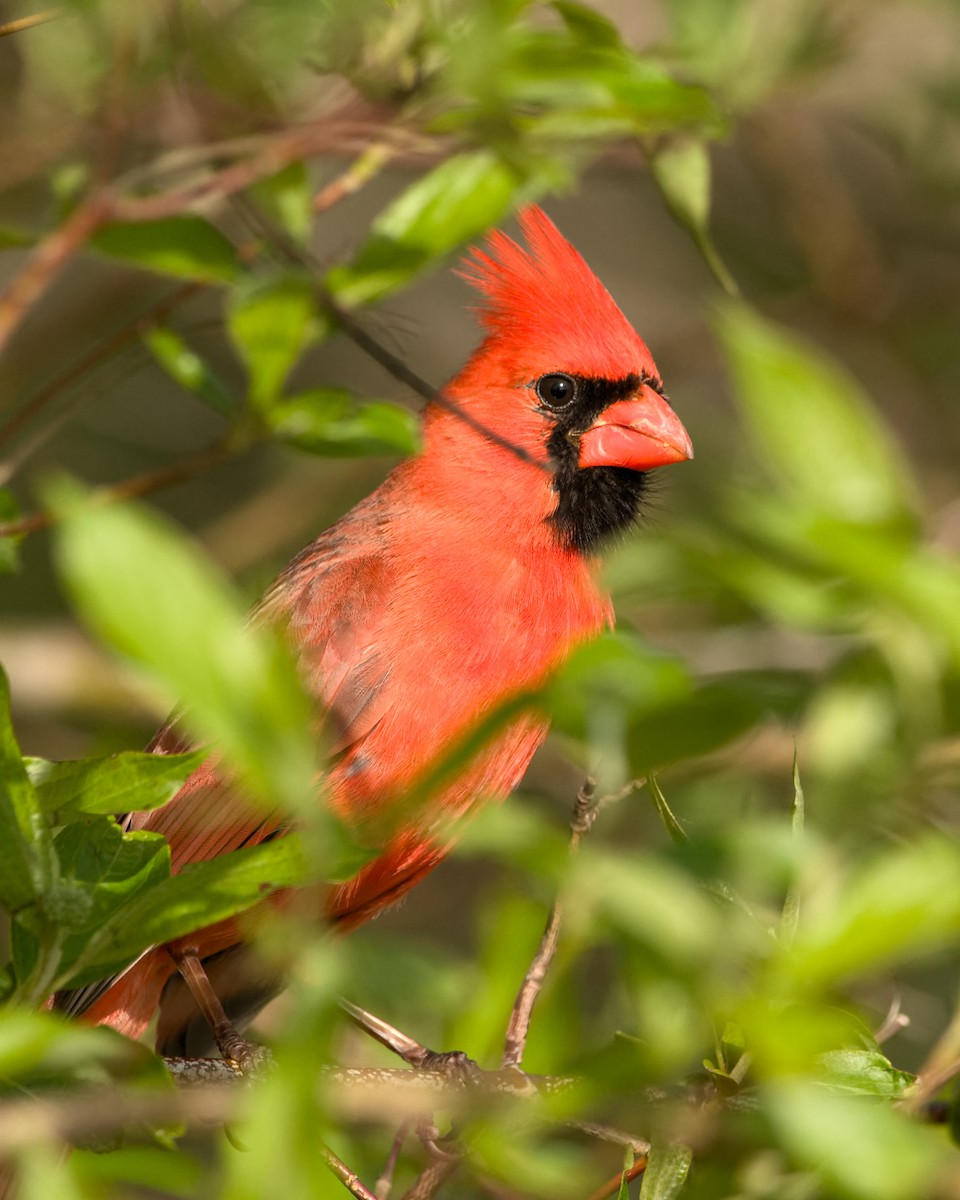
(248, 1058)
(456, 1066)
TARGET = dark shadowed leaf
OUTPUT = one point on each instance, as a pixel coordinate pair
(186, 246)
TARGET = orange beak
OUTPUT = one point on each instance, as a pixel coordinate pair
(640, 433)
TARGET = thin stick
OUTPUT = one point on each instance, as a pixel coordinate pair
(584, 814)
(129, 489)
(384, 1184)
(350, 1180)
(49, 257)
(356, 176)
(404, 1046)
(128, 332)
(612, 1186)
(432, 1177)
(21, 23)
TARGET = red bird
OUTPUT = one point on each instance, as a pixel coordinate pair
(466, 578)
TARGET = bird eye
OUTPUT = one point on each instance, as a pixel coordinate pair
(556, 391)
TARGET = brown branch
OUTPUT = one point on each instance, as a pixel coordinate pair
(280, 151)
(612, 1186)
(350, 1180)
(584, 814)
(22, 23)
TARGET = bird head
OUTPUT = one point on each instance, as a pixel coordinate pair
(564, 377)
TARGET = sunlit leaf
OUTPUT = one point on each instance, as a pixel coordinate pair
(333, 422)
(271, 323)
(124, 782)
(454, 202)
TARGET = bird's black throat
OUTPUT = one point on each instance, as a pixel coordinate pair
(593, 503)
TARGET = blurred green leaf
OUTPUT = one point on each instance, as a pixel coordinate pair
(188, 369)
(331, 421)
(456, 201)
(12, 239)
(901, 903)
(271, 323)
(860, 1147)
(287, 199)
(813, 427)
(185, 246)
(37, 1045)
(147, 591)
(9, 546)
(126, 782)
(712, 715)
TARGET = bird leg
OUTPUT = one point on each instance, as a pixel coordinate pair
(247, 1056)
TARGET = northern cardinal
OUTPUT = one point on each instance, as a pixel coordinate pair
(465, 578)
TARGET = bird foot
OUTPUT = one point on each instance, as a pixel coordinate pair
(247, 1057)
(456, 1066)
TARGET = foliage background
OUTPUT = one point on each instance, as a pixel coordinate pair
(799, 581)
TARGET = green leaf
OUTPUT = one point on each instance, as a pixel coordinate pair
(36, 1044)
(681, 167)
(126, 782)
(271, 323)
(813, 426)
(105, 871)
(666, 1173)
(188, 369)
(28, 866)
(456, 201)
(9, 546)
(188, 247)
(670, 822)
(146, 590)
(287, 199)
(331, 421)
(201, 894)
(14, 239)
(714, 714)
(863, 1071)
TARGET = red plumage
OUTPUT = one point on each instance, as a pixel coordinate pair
(453, 587)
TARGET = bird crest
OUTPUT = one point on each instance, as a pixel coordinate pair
(544, 295)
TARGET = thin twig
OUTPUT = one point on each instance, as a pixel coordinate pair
(584, 814)
(128, 332)
(432, 1177)
(22, 23)
(356, 176)
(612, 1186)
(350, 1180)
(384, 1184)
(401, 1044)
(129, 489)
(49, 257)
